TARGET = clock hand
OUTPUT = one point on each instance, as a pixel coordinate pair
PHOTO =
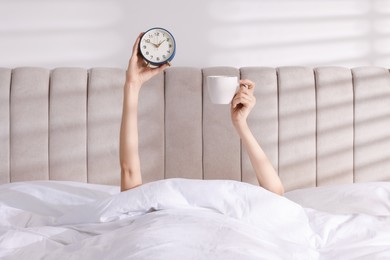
(155, 45)
(160, 43)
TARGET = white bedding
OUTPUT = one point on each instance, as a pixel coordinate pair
(193, 219)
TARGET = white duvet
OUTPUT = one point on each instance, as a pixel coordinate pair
(193, 219)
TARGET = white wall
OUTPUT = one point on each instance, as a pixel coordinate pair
(92, 33)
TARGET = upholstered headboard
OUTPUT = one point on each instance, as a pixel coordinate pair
(318, 126)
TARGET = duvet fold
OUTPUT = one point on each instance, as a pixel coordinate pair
(180, 219)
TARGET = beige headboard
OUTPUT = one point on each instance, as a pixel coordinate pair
(318, 126)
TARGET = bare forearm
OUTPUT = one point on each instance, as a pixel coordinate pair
(265, 172)
(128, 147)
(138, 72)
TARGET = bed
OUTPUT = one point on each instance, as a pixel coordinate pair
(324, 129)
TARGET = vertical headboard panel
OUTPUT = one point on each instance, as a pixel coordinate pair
(297, 127)
(183, 123)
(29, 124)
(105, 94)
(5, 86)
(372, 124)
(334, 92)
(68, 124)
(151, 131)
(263, 120)
(221, 144)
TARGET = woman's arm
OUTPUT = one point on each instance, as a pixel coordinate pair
(137, 74)
(241, 105)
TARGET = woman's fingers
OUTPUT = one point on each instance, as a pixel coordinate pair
(135, 46)
(246, 83)
(134, 59)
(242, 98)
(244, 91)
(159, 69)
(243, 101)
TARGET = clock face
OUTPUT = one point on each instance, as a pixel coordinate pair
(157, 46)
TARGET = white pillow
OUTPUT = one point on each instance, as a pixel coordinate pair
(371, 198)
(51, 197)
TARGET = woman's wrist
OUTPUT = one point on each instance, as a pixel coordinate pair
(132, 87)
(241, 127)
(131, 96)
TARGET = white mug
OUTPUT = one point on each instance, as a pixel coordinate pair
(221, 88)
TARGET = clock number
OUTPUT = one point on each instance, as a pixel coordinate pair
(147, 40)
(151, 56)
(168, 51)
(158, 58)
(164, 56)
(167, 39)
(144, 46)
(147, 53)
(170, 45)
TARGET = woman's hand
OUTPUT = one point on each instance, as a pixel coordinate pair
(138, 72)
(241, 106)
(243, 102)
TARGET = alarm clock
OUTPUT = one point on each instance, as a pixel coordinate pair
(157, 46)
